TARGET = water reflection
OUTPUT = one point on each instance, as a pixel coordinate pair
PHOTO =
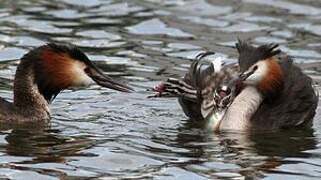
(241, 154)
(42, 143)
(38, 149)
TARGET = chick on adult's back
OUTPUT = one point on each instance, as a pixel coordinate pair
(276, 94)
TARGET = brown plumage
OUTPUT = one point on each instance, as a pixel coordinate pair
(57, 67)
(274, 82)
(269, 93)
(289, 96)
(42, 74)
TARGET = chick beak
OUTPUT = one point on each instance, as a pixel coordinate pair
(105, 81)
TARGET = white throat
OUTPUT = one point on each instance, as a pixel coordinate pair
(238, 115)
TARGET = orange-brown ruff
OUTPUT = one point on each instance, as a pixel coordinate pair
(276, 94)
(274, 81)
(61, 77)
(269, 92)
(42, 74)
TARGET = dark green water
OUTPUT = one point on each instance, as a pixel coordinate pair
(105, 134)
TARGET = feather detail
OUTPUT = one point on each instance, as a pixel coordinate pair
(249, 55)
(273, 80)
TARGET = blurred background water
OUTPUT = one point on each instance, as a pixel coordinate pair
(103, 134)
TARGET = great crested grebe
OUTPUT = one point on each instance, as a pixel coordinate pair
(276, 93)
(270, 92)
(45, 71)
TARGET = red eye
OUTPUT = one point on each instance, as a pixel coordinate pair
(87, 70)
(255, 68)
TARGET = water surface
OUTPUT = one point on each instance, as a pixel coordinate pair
(101, 133)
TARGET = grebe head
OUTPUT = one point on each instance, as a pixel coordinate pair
(57, 67)
(259, 77)
(259, 67)
(256, 73)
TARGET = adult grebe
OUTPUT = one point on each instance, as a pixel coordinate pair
(276, 93)
(270, 93)
(42, 74)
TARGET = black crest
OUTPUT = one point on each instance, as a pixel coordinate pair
(249, 55)
(73, 51)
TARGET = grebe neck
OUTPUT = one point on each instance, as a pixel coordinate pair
(27, 98)
(239, 114)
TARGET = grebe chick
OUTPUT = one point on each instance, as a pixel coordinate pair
(206, 90)
(264, 91)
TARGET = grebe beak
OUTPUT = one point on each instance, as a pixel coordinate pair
(243, 76)
(103, 80)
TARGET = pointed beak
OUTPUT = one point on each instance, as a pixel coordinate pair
(243, 76)
(105, 81)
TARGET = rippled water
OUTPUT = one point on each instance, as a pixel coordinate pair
(101, 133)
